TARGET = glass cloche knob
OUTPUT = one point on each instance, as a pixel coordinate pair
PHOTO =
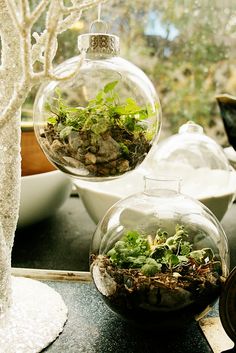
(103, 122)
(159, 258)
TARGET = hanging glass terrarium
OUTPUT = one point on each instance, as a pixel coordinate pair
(159, 258)
(103, 122)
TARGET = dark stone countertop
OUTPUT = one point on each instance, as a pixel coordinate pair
(61, 242)
(93, 328)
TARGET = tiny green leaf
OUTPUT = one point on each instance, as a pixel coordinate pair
(99, 97)
(47, 106)
(110, 86)
(124, 148)
(185, 248)
(151, 267)
(159, 252)
(52, 120)
(173, 260)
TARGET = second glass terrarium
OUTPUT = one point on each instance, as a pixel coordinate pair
(159, 258)
(101, 123)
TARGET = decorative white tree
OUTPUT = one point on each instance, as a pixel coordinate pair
(20, 51)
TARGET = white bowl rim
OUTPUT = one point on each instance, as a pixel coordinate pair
(42, 175)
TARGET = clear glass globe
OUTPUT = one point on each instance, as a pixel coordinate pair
(159, 258)
(191, 147)
(200, 162)
(101, 123)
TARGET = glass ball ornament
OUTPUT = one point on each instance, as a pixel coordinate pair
(101, 123)
(159, 258)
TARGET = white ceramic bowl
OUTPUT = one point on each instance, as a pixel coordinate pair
(215, 189)
(42, 195)
(231, 155)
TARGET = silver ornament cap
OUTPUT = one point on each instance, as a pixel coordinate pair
(99, 44)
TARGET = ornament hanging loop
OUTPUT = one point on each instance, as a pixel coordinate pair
(98, 42)
(99, 11)
(98, 26)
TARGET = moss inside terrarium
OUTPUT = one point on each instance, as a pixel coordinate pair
(107, 137)
(161, 277)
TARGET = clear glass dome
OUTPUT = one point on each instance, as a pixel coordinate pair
(101, 123)
(159, 258)
(200, 162)
(192, 147)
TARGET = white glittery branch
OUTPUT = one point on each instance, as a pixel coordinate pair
(5, 268)
(13, 10)
(75, 13)
(10, 132)
(9, 198)
(63, 25)
(24, 28)
(69, 20)
(19, 96)
(10, 65)
(37, 12)
(25, 9)
(80, 7)
(54, 77)
(26, 36)
(21, 90)
(53, 17)
(38, 47)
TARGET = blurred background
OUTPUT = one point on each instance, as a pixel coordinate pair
(186, 47)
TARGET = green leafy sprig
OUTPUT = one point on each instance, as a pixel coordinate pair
(162, 253)
(101, 114)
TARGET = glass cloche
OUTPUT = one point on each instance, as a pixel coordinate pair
(159, 258)
(192, 147)
(200, 162)
(101, 123)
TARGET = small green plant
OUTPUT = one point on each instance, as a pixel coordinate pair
(106, 137)
(101, 114)
(161, 254)
(162, 275)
